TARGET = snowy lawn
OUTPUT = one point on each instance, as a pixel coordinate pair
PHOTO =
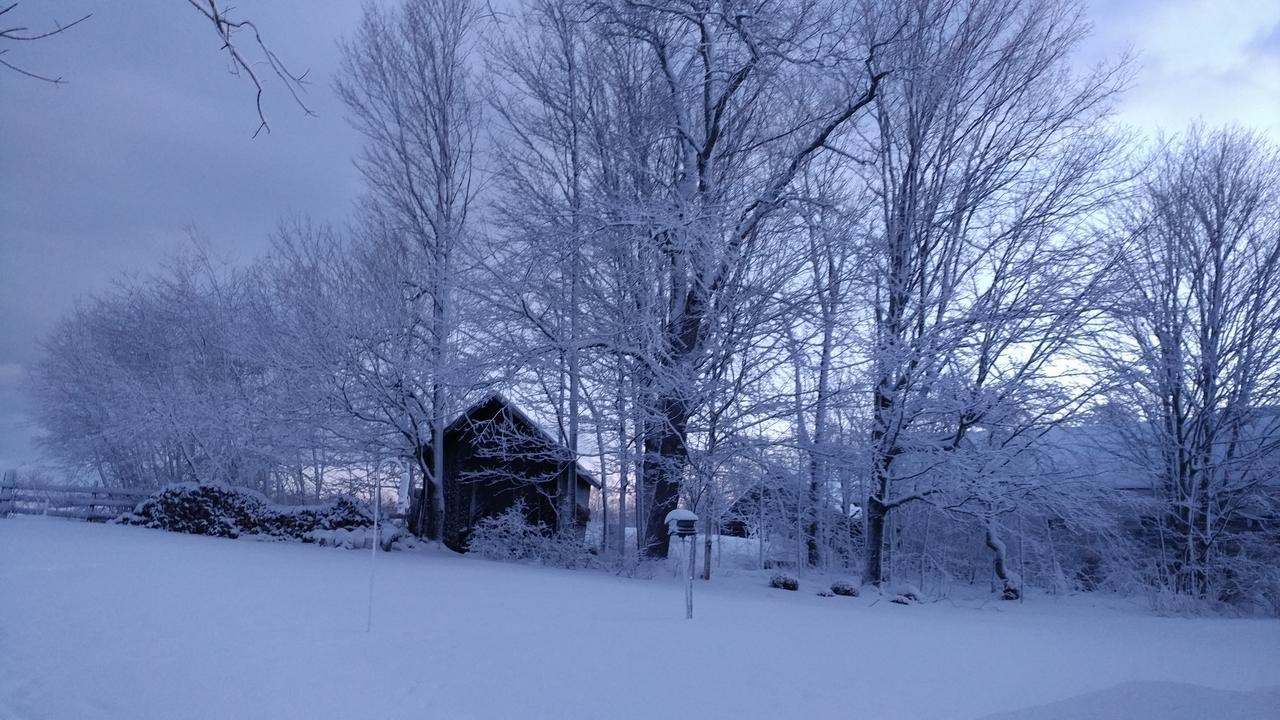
(121, 622)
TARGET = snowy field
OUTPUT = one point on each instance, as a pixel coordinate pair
(119, 622)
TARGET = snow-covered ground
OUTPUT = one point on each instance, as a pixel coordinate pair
(106, 622)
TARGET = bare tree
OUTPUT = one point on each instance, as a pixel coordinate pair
(228, 28)
(744, 102)
(986, 157)
(406, 83)
(830, 231)
(1196, 356)
(542, 100)
(181, 389)
(10, 36)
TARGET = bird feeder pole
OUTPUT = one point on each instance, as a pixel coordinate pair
(684, 524)
(688, 585)
(373, 545)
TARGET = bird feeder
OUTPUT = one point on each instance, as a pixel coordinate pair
(682, 523)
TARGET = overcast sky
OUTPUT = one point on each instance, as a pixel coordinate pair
(150, 136)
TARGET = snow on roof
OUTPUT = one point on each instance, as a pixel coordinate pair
(520, 417)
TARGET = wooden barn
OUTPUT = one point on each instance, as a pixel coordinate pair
(496, 455)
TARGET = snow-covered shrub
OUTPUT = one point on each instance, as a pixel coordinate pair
(224, 511)
(907, 592)
(357, 538)
(784, 582)
(567, 550)
(506, 536)
(1167, 602)
(509, 536)
(391, 536)
(351, 539)
(845, 588)
(1241, 585)
(1246, 575)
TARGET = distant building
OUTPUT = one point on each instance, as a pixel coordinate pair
(494, 456)
(768, 511)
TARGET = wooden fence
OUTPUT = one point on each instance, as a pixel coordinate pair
(85, 503)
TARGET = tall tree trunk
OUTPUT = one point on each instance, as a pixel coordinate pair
(603, 455)
(664, 461)
(568, 47)
(1011, 584)
(876, 513)
(428, 512)
(624, 458)
(435, 526)
(818, 442)
(641, 485)
(707, 533)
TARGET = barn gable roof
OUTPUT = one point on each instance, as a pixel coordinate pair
(496, 403)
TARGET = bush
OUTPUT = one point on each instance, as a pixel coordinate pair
(845, 588)
(784, 582)
(509, 536)
(224, 511)
(906, 594)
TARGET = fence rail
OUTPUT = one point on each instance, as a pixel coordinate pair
(85, 503)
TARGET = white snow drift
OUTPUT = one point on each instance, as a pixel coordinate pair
(110, 622)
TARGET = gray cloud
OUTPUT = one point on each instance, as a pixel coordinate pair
(149, 136)
(1266, 44)
(1200, 60)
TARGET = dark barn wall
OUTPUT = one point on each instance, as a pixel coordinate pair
(485, 475)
